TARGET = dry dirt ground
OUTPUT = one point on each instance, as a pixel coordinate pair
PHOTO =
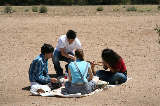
(130, 34)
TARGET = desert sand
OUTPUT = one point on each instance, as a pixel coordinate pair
(131, 35)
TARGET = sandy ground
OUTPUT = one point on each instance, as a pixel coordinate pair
(131, 36)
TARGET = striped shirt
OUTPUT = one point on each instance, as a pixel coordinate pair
(39, 70)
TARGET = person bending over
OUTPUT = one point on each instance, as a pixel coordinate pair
(65, 51)
(77, 71)
(111, 60)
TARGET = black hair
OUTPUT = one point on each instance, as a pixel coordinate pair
(79, 54)
(71, 34)
(110, 57)
(47, 48)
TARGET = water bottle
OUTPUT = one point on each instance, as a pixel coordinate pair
(66, 75)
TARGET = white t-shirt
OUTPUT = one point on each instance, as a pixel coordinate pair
(63, 43)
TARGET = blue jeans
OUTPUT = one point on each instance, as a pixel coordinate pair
(110, 77)
(84, 88)
(57, 56)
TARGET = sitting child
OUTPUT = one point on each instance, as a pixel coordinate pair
(38, 71)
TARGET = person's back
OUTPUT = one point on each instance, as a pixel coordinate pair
(77, 71)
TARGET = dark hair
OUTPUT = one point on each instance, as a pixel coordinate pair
(47, 48)
(79, 54)
(71, 34)
(110, 57)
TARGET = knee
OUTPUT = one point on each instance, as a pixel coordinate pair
(125, 79)
(97, 72)
(66, 84)
(55, 59)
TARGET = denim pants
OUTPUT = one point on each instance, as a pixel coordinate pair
(85, 88)
(110, 77)
(57, 57)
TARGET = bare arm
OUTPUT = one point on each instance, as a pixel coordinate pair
(69, 75)
(62, 50)
(90, 74)
(112, 70)
(104, 66)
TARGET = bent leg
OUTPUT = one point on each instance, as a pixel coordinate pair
(56, 58)
(68, 60)
(67, 86)
(120, 77)
(104, 75)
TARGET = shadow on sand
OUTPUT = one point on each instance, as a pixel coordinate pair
(53, 75)
(29, 87)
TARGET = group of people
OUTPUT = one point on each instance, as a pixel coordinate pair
(78, 69)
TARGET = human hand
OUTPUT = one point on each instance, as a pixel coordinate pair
(74, 58)
(54, 80)
(105, 65)
(93, 63)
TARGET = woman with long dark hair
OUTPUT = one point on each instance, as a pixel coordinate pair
(111, 60)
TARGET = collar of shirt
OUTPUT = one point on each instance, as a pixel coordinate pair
(43, 58)
(78, 60)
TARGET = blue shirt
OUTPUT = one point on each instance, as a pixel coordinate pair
(39, 70)
(74, 72)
